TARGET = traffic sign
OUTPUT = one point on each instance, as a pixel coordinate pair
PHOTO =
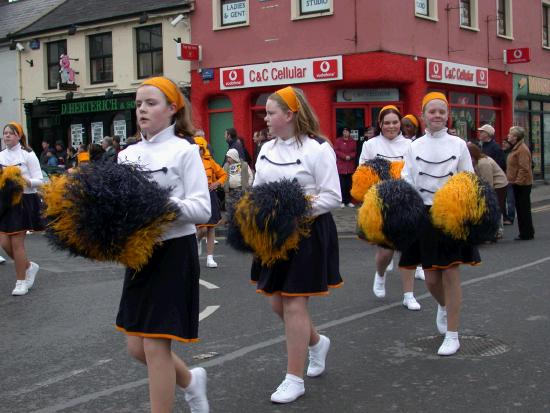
(519, 55)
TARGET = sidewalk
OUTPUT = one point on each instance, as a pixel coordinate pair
(345, 218)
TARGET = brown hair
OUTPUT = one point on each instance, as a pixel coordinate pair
(23, 138)
(475, 151)
(305, 119)
(383, 114)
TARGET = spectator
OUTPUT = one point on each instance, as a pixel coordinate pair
(110, 151)
(60, 153)
(71, 157)
(510, 213)
(260, 137)
(487, 169)
(44, 154)
(345, 149)
(489, 147)
(520, 175)
(240, 178)
(234, 142)
(96, 152)
(367, 134)
(116, 143)
(51, 160)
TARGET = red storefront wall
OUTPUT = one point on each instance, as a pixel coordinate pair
(369, 70)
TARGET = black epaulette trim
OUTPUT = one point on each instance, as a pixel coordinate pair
(426, 190)
(319, 140)
(16, 164)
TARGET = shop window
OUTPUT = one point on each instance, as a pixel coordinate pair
(101, 58)
(546, 24)
(521, 105)
(469, 111)
(426, 9)
(463, 98)
(149, 51)
(227, 14)
(304, 9)
(468, 14)
(504, 18)
(486, 100)
(54, 51)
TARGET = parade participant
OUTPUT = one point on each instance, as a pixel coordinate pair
(216, 177)
(160, 302)
(25, 215)
(410, 126)
(345, 162)
(389, 144)
(429, 164)
(520, 174)
(298, 152)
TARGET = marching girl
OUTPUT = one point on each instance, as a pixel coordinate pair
(216, 177)
(25, 216)
(410, 125)
(298, 152)
(160, 303)
(389, 144)
(429, 164)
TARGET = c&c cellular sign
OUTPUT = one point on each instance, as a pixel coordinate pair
(320, 69)
(456, 74)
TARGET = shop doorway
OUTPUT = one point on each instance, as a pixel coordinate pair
(220, 117)
(358, 117)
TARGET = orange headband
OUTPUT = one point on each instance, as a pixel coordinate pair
(433, 96)
(169, 89)
(289, 96)
(386, 108)
(17, 127)
(412, 118)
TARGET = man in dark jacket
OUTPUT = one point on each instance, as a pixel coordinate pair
(110, 151)
(489, 147)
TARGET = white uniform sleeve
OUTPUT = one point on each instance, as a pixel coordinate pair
(258, 179)
(195, 207)
(34, 170)
(326, 178)
(465, 161)
(364, 157)
(408, 172)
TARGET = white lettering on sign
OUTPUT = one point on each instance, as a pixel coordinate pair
(314, 6)
(320, 69)
(234, 13)
(456, 74)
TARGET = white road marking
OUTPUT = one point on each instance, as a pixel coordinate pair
(56, 379)
(541, 208)
(208, 285)
(275, 340)
(208, 311)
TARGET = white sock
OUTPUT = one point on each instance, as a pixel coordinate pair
(452, 334)
(380, 277)
(408, 295)
(191, 383)
(294, 378)
(442, 308)
(210, 257)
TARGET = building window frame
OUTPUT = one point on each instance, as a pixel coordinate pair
(102, 57)
(468, 14)
(431, 9)
(217, 10)
(298, 14)
(54, 63)
(505, 27)
(150, 50)
(545, 8)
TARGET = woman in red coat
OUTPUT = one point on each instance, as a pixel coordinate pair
(345, 161)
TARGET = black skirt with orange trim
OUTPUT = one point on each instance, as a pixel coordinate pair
(310, 270)
(435, 250)
(162, 300)
(23, 217)
(215, 215)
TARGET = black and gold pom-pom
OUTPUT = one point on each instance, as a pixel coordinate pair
(371, 172)
(466, 209)
(12, 185)
(391, 215)
(270, 221)
(108, 212)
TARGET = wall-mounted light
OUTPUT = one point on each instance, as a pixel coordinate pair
(30, 62)
(72, 30)
(69, 95)
(109, 93)
(177, 19)
(19, 47)
(143, 18)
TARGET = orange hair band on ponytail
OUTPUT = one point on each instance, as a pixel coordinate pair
(170, 90)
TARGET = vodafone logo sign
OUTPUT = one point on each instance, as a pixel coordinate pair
(482, 77)
(318, 69)
(435, 71)
(233, 77)
(325, 69)
(456, 74)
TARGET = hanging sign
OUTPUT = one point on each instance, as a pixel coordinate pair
(519, 55)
